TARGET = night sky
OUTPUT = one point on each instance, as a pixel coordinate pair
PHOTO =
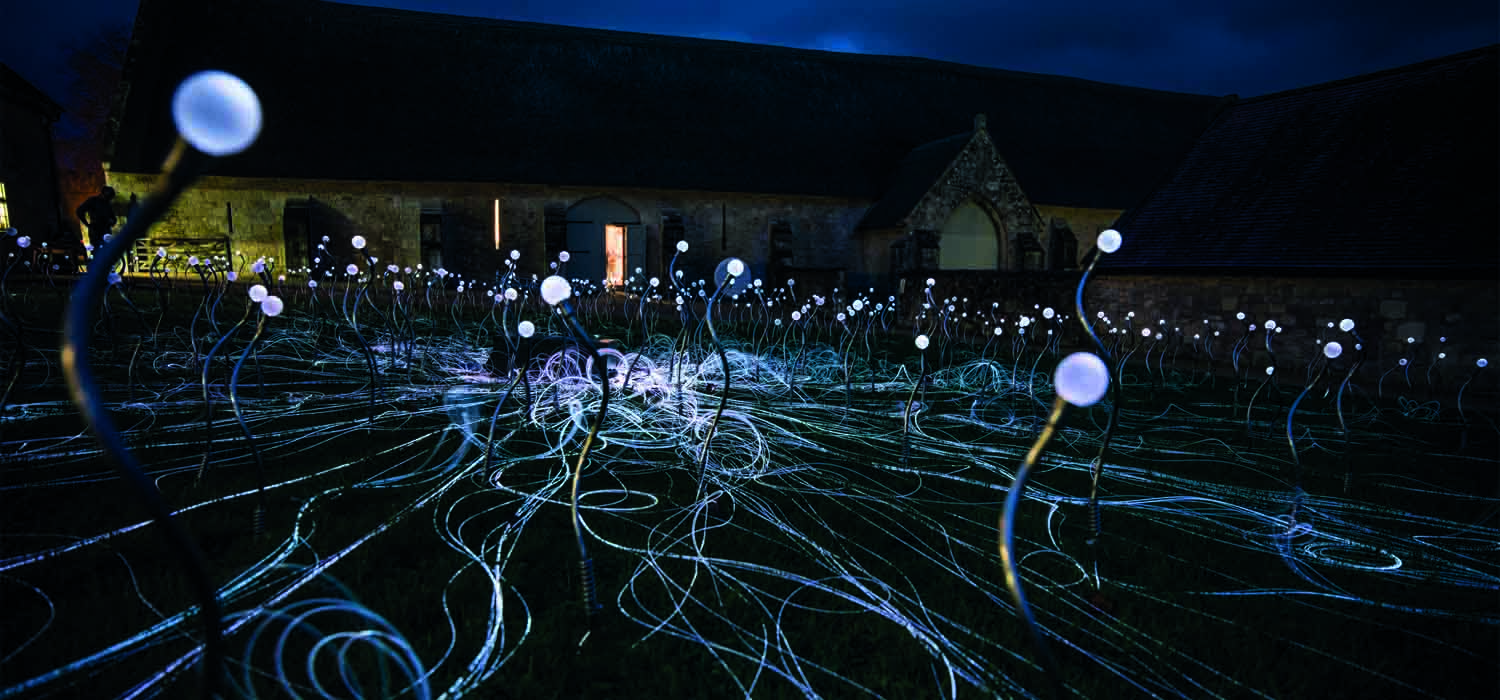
(1247, 47)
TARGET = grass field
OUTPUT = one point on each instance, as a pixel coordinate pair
(822, 551)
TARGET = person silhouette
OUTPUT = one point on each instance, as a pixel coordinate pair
(98, 215)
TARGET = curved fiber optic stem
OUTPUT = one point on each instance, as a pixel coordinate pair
(1114, 401)
(208, 402)
(179, 171)
(586, 564)
(1292, 442)
(1008, 552)
(708, 317)
(489, 441)
(906, 420)
(239, 417)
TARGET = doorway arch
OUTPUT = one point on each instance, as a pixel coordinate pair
(587, 220)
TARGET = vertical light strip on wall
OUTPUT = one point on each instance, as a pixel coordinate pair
(497, 224)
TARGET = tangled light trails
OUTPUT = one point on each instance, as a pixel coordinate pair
(817, 562)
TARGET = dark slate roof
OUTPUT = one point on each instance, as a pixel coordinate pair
(14, 87)
(1394, 170)
(380, 94)
(916, 174)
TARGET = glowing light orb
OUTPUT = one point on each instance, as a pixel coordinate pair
(725, 272)
(258, 267)
(1333, 349)
(555, 289)
(1048, 313)
(858, 305)
(1081, 379)
(515, 255)
(1109, 240)
(564, 256)
(216, 112)
(736, 267)
(526, 329)
(272, 306)
(682, 246)
(258, 293)
(398, 285)
(161, 252)
(231, 275)
(931, 281)
(511, 294)
(352, 269)
(1482, 363)
(1442, 355)
(655, 282)
(23, 241)
(358, 242)
(923, 342)
(796, 315)
(1270, 371)
(1346, 325)
(312, 284)
(1270, 325)
(1410, 340)
(1401, 362)
(1240, 316)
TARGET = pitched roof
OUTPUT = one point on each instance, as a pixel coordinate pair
(1394, 170)
(15, 87)
(912, 179)
(381, 94)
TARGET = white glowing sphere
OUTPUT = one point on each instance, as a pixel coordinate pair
(1346, 325)
(1482, 363)
(511, 294)
(1410, 340)
(312, 284)
(1109, 240)
(931, 281)
(923, 342)
(526, 329)
(1333, 349)
(841, 317)
(1048, 313)
(281, 278)
(1270, 371)
(1442, 356)
(1252, 327)
(1442, 339)
(555, 289)
(398, 285)
(258, 293)
(352, 269)
(1081, 379)
(999, 330)
(564, 256)
(161, 252)
(736, 267)
(1146, 332)
(682, 246)
(655, 282)
(858, 305)
(232, 275)
(23, 241)
(796, 315)
(1401, 362)
(1270, 325)
(216, 112)
(358, 242)
(272, 306)
(1240, 316)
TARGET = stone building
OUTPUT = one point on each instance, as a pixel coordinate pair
(449, 141)
(1372, 198)
(28, 172)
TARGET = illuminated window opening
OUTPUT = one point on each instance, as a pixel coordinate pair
(4, 209)
(497, 224)
(614, 255)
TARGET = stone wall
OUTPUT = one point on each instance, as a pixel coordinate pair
(388, 215)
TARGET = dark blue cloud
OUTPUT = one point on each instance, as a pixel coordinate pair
(1247, 47)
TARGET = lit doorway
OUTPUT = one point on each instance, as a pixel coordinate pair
(614, 255)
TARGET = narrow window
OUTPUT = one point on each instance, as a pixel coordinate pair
(497, 224)
(4, 209)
